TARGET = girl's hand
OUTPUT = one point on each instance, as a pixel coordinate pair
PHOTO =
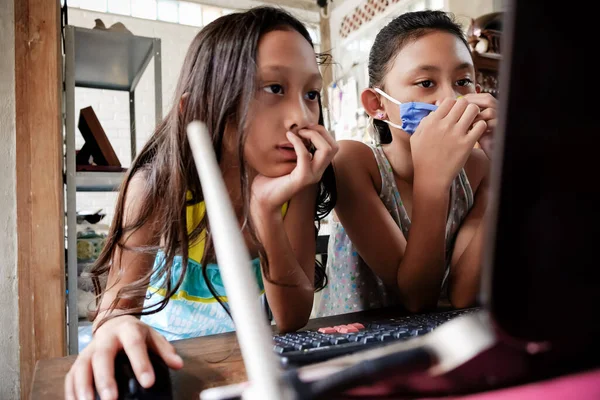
(272, 193)
(488, 105)
(444, 140)
(96, 363)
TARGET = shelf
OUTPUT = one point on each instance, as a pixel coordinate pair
(87, 181)
(110, 60)
(487, 61)
(99, 59)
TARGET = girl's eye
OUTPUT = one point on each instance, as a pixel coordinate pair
(274, 89)
(312, 95)
(464, 82)
(426, 84)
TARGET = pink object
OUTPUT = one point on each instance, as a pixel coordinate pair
(580, 386)
(358, 325)
(347, 329)
(327, 330)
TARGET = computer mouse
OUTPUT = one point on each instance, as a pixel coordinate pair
(130, 389)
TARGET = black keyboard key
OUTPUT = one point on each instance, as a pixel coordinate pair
(402, 334)
(369, 339)
(339, 340)
(298, 358)
(313, 346)
(283, 349)
(385, 338)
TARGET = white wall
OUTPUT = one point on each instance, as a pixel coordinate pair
(112, 107)
(9, 314)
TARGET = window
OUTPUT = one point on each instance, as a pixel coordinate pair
(315, 34)
(168, 10)
(175, 11)
(190, 14)
(436, 4)
(209, 14)
(143, 9)
(71, 3)
(119, 7)
(418, 6)
(92, 5)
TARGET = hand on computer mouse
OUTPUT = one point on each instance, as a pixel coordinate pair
(96, 363)
(129, 388)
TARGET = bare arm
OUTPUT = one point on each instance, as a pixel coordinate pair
(440, 147)
(465, 270)
(416, 267)
(290, 245)
(129, 266)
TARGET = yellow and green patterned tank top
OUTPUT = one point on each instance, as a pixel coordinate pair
(193, 311)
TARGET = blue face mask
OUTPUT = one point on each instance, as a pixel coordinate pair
(411, 113)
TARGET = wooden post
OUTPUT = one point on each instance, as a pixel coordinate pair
(40, 208)
(327, 69)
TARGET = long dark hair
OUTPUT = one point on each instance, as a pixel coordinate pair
(393, 37)
(219, 73)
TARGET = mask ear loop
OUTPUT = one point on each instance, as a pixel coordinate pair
(393, 100)
(387, 96)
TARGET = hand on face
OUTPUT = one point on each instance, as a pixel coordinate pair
(444, 140)
(488, 106)
(273, 192)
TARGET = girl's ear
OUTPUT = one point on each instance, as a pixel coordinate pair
(183, 102)
(477, 88)
(371, 104)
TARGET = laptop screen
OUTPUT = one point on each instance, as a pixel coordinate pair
(543, 270)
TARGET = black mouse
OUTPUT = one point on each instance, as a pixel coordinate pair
(130, 389)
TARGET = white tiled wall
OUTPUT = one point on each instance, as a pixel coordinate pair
(112, 107)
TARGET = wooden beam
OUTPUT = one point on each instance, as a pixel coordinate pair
(327, 68)
(40, 209)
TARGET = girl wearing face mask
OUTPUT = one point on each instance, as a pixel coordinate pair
(253, 79)
(411, 208)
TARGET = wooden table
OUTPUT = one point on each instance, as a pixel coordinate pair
(209, 361)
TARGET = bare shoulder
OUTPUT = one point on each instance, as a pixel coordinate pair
(135, 196)
(477, 168)
(354, 162)
(353, 150)
(138, 181)
(136, 187)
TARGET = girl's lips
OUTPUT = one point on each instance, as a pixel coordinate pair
(287, 153)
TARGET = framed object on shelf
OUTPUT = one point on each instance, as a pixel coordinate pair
(97, 147)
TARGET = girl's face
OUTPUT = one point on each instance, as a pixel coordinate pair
(431, 68)
(289, 84)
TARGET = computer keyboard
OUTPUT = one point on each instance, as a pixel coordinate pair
(306, 347)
